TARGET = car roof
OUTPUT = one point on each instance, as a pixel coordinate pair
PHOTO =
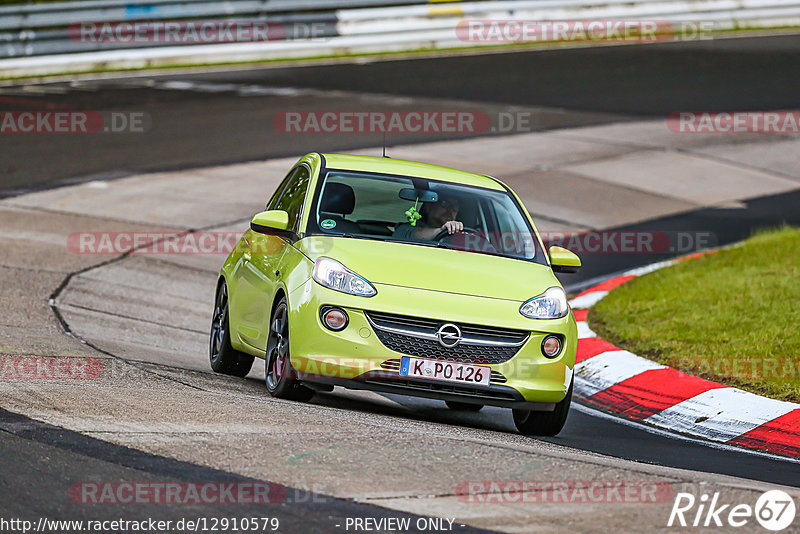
(409, 168)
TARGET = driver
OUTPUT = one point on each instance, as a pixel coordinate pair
(437, 217)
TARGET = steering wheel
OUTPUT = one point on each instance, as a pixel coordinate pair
(483, 245)
(444, 233)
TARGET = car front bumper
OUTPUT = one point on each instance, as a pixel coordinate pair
(355, 357)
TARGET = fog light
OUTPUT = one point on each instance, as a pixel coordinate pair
(551, 346)
(334, 318)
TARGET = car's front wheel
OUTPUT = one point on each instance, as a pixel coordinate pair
(280, 375)
(533, 423)
(224, 358)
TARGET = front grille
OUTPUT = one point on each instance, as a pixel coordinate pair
(394, 365)
(416, 336)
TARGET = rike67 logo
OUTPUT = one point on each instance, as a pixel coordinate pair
(774, 510)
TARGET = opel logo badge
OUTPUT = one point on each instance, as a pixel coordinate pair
(449, 335)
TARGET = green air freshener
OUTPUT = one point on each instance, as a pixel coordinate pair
(412, 214)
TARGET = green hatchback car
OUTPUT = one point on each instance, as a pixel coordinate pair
(399, 277)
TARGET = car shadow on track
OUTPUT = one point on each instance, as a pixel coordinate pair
(489, 418)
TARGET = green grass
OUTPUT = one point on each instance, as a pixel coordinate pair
(731, 316)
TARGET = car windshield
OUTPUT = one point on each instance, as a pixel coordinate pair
(414, 210)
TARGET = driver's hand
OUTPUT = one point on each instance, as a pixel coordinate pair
(453, 226)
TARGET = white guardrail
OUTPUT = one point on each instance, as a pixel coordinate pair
(41, 39)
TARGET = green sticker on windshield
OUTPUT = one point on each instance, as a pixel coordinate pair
(327, 224)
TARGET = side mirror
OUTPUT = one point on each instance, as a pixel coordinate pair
(563, 260)
(270, 222)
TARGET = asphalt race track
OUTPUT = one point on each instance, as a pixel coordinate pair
(38, 457)
(203, 119)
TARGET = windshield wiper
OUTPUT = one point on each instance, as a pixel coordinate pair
(402, 242)
(487, 252)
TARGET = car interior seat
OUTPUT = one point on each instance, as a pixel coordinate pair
(338, 202)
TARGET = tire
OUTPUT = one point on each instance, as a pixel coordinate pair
(223, 357)
(280, 374)
(463, 406)
(532, 423)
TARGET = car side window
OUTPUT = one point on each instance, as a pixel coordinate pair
(276, 196)
(293, 196)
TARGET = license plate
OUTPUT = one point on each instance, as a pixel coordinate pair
(438, 370)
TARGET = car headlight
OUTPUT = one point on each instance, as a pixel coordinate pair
(552, 304)
(332, 274)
